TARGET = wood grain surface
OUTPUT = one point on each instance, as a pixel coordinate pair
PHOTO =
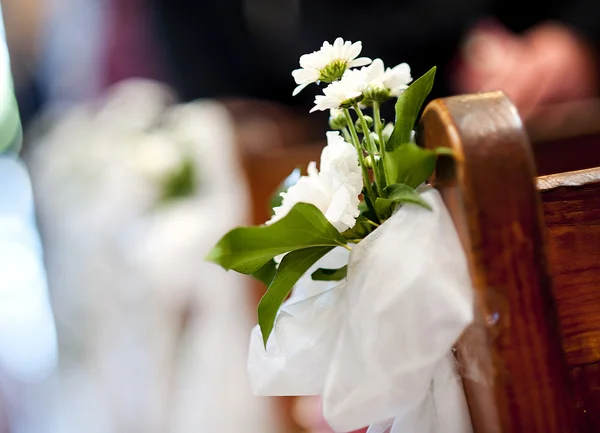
(514, 370)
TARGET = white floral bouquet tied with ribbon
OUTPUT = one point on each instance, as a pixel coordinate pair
(380, 290)
(372, 345)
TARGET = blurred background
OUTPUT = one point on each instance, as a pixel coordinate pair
(151, 127)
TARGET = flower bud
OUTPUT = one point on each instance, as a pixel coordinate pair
(358, 124)
(337, 119)
(375, 138)
(377, 94)
(371, 160)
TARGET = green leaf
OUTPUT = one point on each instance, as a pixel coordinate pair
(384, 206)
(292, 178)
(323, 274)
(399, 194)
(266, 273)
(408, 106)
(360, 230)
(291, 268)
(247, 249)
(368, 210)
(410, 164)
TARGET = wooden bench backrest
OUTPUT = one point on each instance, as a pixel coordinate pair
(571, 204)
(528, 361)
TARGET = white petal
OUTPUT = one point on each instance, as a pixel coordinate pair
(361, 61)
(354, 50)
(342, 210)
(397, 79)
(377, 68)
(312, 169)
(338, 44)
(387, 131)
(323, 103)
(316, 60)
(306, 190)
(302, 76)
(337, 208)
(299, 88)
(334, 190)
(339, 151)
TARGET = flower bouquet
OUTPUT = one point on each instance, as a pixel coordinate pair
(126, 189)
(379, 284)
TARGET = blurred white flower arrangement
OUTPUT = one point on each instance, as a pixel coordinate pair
(127, 189)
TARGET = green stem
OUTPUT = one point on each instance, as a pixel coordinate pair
(379, 131)
(379, 180)
(371, 205)
(346, 135)
(374, 224)
(361, 156)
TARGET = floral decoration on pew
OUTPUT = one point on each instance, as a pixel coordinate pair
(367, 170)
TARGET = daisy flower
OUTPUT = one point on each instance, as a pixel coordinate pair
(375, 88)
(397, 79)
(381, 82)
(343, 93)
(329, 63)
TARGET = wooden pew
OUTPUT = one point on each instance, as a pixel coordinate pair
(530, 362)
(571, 206)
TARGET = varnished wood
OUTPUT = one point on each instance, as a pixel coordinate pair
(514, 370)
(586, 383)
(572, 215)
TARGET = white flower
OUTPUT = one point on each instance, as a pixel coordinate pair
(375, 75)
(342, 93)
(334, 190)
(397, 79)
(381, 82)
(329, 63)
(387, 131)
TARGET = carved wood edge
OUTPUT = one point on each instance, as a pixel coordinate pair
(513, 367)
